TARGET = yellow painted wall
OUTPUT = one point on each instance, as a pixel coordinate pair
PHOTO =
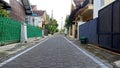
(108, 1)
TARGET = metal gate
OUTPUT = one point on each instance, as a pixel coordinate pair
(109, 26)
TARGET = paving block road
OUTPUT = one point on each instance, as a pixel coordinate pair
(54, 52)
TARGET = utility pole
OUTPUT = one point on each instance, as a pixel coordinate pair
(61, 22)
(52, 14)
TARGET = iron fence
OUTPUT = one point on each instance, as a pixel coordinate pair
(10, 31)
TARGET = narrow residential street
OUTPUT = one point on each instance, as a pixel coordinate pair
(54, 52)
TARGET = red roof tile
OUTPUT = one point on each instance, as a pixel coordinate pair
(39, 12)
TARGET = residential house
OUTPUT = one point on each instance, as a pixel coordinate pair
(38, 17)
(20, 9)
(104, 29)
(82, 11)
(42, 15)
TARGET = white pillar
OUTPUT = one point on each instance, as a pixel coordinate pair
(97, 5)
(23, 33)
(42, 32)
(65, 31)
(78, 31)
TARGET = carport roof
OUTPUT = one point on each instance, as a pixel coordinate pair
(4, 4)
(27, 7)
(73, 13)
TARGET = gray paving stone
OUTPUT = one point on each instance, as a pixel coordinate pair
(56, 52)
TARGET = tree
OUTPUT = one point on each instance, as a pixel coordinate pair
(52, 26)
(67, 22)
(3, 12)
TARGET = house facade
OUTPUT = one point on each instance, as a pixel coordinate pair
(20, 9)
(17, 11)
(35, 21)
(82, 11)
(104, 29)
(38, 17)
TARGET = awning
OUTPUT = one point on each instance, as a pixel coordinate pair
(85, 13)
(88, 10)
(4, 4)
(74, 12)
(27, 7)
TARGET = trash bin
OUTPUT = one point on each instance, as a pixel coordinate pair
(83, 40)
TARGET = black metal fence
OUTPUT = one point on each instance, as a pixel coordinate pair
(109, 26)
(89, 30)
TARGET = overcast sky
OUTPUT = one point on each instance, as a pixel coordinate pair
(60, 8)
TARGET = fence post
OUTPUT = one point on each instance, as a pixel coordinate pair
(23, 33)
(78, 30)
(42, 32)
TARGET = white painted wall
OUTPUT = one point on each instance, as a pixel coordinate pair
(99, 4)
(37, 21)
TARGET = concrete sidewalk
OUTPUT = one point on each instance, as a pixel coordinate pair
(106, 56)
(8, 50)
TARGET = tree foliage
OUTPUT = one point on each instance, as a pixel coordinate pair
(3, 12)
(67, 22)
(52, 26)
